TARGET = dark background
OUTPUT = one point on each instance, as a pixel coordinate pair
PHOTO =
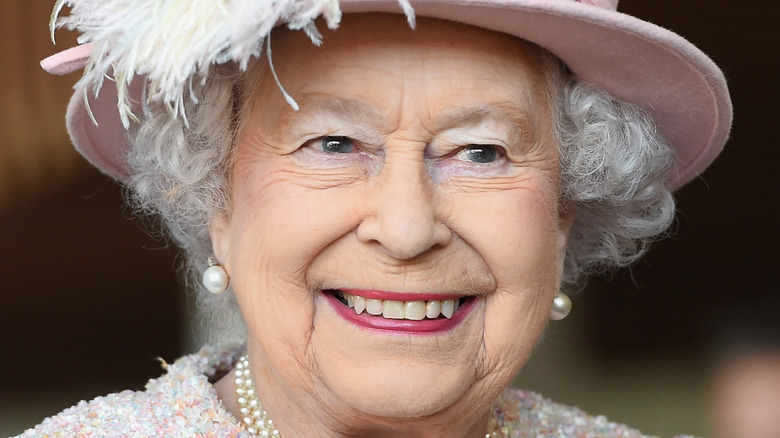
(89, 300)
(721, 261)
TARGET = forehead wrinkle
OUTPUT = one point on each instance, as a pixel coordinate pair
(520, 122)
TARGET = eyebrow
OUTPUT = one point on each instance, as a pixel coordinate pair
(356, 111)
(522, 123)
(365, 114)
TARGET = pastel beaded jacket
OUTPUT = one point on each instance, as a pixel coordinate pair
(183, 403)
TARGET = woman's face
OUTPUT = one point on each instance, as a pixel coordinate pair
(421, 170)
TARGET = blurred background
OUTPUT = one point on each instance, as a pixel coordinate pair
(687, 341)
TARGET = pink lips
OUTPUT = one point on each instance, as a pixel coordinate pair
(425, 326)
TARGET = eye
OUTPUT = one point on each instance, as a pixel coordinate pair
(336, 144)
(479, 153)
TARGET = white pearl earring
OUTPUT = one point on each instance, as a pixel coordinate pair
(561, 307)
(215, 278)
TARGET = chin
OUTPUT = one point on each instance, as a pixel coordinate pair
(402, 391)
(398, 375)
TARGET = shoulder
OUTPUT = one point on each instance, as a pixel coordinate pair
(518, 413)
(180, 403)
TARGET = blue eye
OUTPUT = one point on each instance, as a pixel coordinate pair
(479, 153)
(337, 145)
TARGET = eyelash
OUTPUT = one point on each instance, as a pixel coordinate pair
(322, 144)
(336, 145)
(494, 152)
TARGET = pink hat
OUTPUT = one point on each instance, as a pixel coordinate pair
(683, 90)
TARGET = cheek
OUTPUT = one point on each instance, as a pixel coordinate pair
(277, 227)
(290, 216)
(515, 231)
(280, 222)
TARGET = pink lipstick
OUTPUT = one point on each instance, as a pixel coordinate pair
(409, 313)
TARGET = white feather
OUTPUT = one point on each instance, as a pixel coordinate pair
(173, 42)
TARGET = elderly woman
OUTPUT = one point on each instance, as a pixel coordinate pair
(387, 218)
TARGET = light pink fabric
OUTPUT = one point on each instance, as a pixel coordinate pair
(606, 4)
(677, 84)
(68, 60)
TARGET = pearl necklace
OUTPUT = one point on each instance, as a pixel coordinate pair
(256, 418)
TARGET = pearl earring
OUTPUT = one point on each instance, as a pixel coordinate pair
(215, 278)
(561, 307)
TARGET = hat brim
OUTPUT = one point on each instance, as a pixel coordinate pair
(636, 61)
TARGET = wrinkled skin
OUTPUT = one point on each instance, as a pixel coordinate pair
(402, 200)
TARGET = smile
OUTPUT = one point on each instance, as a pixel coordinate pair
(416, 310)
(418, 314)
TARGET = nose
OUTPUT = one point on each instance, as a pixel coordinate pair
(403, 218)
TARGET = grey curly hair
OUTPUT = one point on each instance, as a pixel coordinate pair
(612, 169)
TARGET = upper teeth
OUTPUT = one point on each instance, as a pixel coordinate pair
(394, 309)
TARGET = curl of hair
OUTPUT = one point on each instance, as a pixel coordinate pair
(612, 162)
(613, 167)
(180, 174)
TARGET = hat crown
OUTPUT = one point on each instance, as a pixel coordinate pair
(604, 4)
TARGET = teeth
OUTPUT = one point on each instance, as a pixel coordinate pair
(433, 309)
(447, 308)
(415, 310)
(358, 303)
(393, 309)
(374, 307)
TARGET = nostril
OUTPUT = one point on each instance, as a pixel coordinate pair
(410, 240)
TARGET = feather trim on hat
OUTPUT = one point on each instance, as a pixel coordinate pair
(174, 42)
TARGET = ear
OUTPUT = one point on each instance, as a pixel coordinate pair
(566, 214)
(219, 230)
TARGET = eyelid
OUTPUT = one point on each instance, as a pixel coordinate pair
(360, 148)
(457, 138)
(500, 152)
(362, 141)
(312, 126)
(450, 149)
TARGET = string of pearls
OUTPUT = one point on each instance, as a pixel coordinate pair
(255, 417)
